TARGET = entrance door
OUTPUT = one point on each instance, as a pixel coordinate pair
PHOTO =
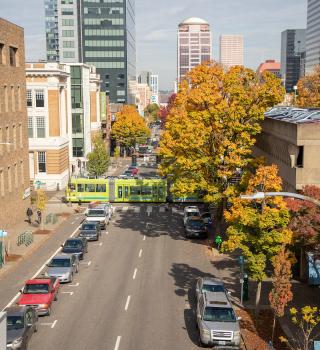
(31, 165)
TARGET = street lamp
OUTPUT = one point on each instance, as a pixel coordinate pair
(295, 88)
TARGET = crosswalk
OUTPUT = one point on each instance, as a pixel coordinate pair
(147, 209)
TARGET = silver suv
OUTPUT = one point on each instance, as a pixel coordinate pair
(216, 321)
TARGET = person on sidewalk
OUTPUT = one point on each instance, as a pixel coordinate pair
(29, 215)
(218, 241)
(39, 215)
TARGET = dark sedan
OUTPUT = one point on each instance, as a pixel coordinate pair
(90, 230)
(22, 322)
(195, 227)
(78, 246)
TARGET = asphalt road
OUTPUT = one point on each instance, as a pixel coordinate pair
(134, 289)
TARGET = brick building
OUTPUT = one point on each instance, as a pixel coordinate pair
(14, 167)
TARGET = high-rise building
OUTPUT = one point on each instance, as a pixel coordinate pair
(144, 77)
(194, 45)
(14, 168)
(154, 84)
(270, 66)
(100, 34)
(293, 47)
(231, 50)
(313, 35)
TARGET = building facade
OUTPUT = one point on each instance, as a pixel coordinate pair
(271, 66)
(231, 50)
(194, 45)
(313, 35)
(52, 30)
(293, 48)
(143, 97)
(99, 33)
(14, 168)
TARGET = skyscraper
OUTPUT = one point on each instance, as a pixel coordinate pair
(52, 30)
(100, 34)
(293, 47)
(313, 35)
(194, 45)
(231, 50)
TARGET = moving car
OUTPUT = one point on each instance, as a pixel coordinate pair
(134, 170)
(63, 267)
(22, 322)
(209, 284)
(195, 227)
(216, 321)
(190, 211)
(77, 246)
(98, 213)
(90, 230)
(39, 293)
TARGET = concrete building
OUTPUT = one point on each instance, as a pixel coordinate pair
(270, 66)
(293, 47)
(194, 45)
(14, 168)
(154, 86)
(313, 35)
(294, 146)
(231, 50)
(99, 33)
(144, 77)
(143, 96)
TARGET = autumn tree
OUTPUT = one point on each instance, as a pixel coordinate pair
(210, 129)
(152, 110)
(41, 204)
(165, 110)
(309, 89)
(281, 293)
(98, 159)
(259, 228)
(129, 127)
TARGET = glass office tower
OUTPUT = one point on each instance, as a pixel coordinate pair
(313, 35)
(52, 32)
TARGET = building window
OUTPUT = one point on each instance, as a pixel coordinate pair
(7, 141)
(1, 183)
(29, 98)
(68, 44)
(22, 171)
(68, 33)
(16, 175)
(67, 12)
(39, 98)
(77, 147)
(42, 162)
(20, 135)
(13, 56)
(5, 98)
(121, 76)
(300, 157)
(66, 2)
(2, 53)
(121, 93)
(9, 180)
(107, 76)
(13, 100)
(68, 22)
(68, 54)
(41, 127)
(30, 127)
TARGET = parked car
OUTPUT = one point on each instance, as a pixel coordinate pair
(128, 173)
(78, 246)
(39, 293)
(22, 322)
(216, 321)
(63, 267)
(209, 284)
(190, 211)
(98, 213)
(207, 218)
(134, 170)
(195, 227)
(90, 230)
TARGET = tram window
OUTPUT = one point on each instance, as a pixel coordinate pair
(101, 188)
(146, 190)
(80, 187)
(90, 187)
(126, 192)
(120, 192)
(135, 190)
(72, 187)
(161, 191)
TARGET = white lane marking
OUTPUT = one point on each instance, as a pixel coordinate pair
(117, 343)
(73, 285)
(162, 209)
(124, 209)
(70, 293)
(127, 303)
(144, 237)
(137, 210)
(89, 263)
(140, 253)
(134, 274)
(99, 244)
(54, 323)
(40, 269)
(85, 263)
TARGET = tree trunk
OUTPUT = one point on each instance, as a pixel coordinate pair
(258, 296)
(273, 327)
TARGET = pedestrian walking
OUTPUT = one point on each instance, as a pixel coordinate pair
(39, 215)
(29, 214)
(218, 241)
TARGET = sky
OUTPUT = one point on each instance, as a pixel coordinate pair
(259, 21)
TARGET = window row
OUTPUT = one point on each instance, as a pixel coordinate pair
(104, 54)
(9, 55)
(35, 98)
(11, 138)
(105, 43)
(68, 22)
(66, 2)
(104, 1)
(102, 11)
(12, 176)
(107, 64)
(67, 44)
(68, 33)
(10, 98)
(36, 127)
(69, 54)
(104, 32)
(103, 21)
(67, 12)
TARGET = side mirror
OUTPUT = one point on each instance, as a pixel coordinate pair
(228, 291)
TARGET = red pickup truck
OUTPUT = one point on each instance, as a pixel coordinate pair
(40, 293)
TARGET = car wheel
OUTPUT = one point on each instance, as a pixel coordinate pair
(77, 269)
(202, 345)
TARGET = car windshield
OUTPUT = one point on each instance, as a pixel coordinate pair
(38, 288)
(15, 322)
(219, 314)
(212, 288)
(195, 224)
(206, 215)
(192, 213)
(90, 227)
(60, 263)
(73, 244)
(96, 212)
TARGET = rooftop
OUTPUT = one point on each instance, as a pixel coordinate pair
(194, 20)
(294, 115)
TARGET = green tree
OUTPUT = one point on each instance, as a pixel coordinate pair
(98, 159)
(152, 110)
(259, 228)
(210, 130)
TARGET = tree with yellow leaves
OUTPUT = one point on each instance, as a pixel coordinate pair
(209, 132)
(129, 127)
(259, 228)
(309, 89)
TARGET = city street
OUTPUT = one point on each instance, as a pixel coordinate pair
(134, 289)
